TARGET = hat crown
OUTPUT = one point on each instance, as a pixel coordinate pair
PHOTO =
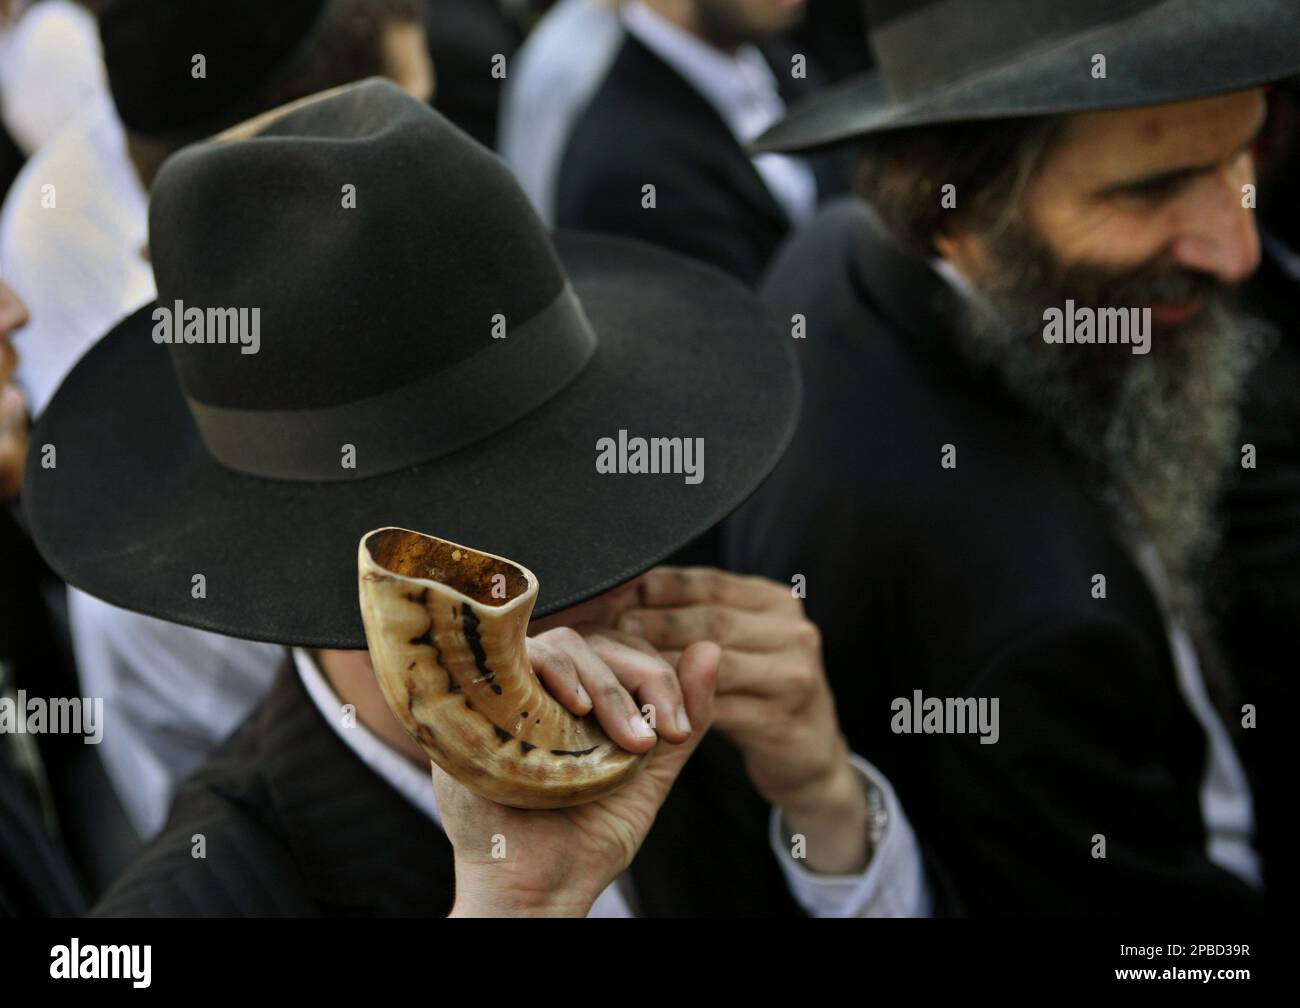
(377, 241)
(922, 46)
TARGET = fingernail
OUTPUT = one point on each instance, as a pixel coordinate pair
(639, 728)
(583, 698)
(683, 722)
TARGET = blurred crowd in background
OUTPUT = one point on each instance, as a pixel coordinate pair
(590, 92)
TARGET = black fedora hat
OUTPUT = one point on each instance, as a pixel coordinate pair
(427, 356)
(958, 60)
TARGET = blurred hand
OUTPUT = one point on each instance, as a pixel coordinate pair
(557, 861)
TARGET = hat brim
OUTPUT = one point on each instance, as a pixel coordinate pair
(134, 506)
(1178, 51)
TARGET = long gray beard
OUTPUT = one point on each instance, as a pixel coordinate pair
(1154, 434)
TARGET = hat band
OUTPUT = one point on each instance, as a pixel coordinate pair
(914, 60)
(433, 416)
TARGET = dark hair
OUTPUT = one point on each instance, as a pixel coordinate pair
(345, 44)
(902, 174)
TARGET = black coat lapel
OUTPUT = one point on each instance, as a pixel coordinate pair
(833, 167)
(778, 55)
(692, 111)
(362, 847)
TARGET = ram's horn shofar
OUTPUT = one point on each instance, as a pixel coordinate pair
(446, 627)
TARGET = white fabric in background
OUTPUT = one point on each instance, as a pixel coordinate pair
(51, 68)
(550, 81)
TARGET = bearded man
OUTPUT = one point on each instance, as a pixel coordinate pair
(985, 520)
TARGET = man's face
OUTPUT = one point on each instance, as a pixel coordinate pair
(1160, 186)
(1136, 208)
(731, 22)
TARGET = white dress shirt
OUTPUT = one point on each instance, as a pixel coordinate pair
(51, 68)
(893, 884)
(550, 81)
(742, 90)
(171, 695)
(1227, 808)
(78, 265)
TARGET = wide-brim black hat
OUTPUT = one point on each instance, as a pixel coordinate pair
(943, 61)
(469, 362)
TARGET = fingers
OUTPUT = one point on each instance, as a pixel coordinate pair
(697, 672)
(674, 629)
(686, 586)
(615, 709)
(601, 611)
(741, 715)
(584, 682)
(751, 674)
(558, 672)
(653, 680)
(590, 630)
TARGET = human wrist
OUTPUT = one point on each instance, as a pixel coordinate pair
(834, 817)
(480, 896)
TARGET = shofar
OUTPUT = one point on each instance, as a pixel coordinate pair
(446, 627)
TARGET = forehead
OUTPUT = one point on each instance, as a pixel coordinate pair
(1129, 142)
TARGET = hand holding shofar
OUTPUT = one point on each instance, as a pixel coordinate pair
(447, 626)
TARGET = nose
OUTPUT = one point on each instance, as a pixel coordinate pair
(1218, 234)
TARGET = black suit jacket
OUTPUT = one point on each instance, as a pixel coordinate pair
(1259, 576)
(976, 582)
(296, 825)
(646, 125)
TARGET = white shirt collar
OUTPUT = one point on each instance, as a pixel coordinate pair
(741, 87)
(415, 784)
(955, 277)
